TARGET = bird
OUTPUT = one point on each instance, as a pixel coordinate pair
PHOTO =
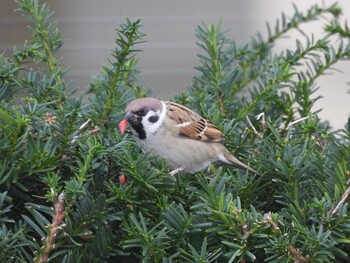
(187, 141)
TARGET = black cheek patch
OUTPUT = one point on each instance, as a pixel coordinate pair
(153, 119)
(141, 132)
(138, 127)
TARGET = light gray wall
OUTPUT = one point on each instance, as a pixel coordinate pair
(169, 54)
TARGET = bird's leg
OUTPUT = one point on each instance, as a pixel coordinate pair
(176, 171)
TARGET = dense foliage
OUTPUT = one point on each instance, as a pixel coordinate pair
(63, 162)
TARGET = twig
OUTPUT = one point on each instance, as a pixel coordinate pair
(251, 126)
(263, 120)
(77, 133)
(297, 255)
(296, 121)
(269, 220)
(342, 200)
(284, 128)
(221, 104)
(58, 217)
(94, 131)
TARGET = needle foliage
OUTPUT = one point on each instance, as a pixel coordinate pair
(72, 189)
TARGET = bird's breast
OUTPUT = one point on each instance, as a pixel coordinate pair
(192, 155)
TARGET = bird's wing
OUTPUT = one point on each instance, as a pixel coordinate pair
(192, 125)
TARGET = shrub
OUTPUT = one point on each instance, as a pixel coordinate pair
(61, 158)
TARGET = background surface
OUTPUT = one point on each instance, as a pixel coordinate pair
(169, 54)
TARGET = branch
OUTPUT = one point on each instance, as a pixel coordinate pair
(252, 126)
(342, 201)
(49, 243)
(77, 133)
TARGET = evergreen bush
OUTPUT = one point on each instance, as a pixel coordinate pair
(72, 189)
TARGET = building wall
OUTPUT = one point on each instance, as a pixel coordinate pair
(169, 54)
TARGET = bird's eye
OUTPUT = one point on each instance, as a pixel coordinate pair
(142, 112)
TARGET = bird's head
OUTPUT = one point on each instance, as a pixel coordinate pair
(145, 116)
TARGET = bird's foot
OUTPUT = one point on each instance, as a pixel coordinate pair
(176, 171)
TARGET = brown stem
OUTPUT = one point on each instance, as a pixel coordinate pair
(297, 255)
(58, 217)
(221, 104)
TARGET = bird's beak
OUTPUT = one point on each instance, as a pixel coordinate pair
(124, 123)
(122, 126)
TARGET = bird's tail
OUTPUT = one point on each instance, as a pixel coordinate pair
(235, 162)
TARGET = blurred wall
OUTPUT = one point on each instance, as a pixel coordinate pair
(169, 54)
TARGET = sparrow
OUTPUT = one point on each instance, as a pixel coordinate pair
(187, 141)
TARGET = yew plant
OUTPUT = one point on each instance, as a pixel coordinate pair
(72, 189)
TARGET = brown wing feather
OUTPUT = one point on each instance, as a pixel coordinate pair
(194, 126)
